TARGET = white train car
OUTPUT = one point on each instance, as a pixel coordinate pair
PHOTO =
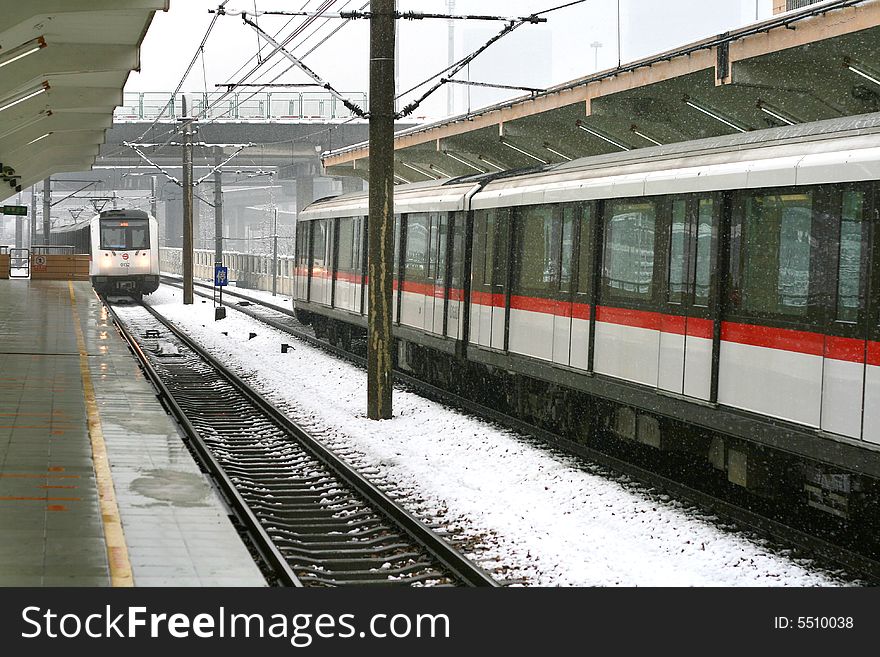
(716, 297)
(124, 252)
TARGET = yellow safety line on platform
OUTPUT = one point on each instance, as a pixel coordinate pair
(114, 537)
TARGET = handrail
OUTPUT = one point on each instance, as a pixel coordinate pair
(250, 106)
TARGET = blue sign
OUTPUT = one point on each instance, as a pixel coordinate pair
(221, 276)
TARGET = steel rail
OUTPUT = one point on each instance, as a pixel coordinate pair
(448, 556)
(258, 537)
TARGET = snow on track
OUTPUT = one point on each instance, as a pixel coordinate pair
(542, 518)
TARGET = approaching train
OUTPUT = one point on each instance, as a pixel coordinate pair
(718, 298)
(124, 249)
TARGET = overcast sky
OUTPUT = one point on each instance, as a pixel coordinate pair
(645, 27)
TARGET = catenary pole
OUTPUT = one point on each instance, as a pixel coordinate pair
(218, 205)
(187, 208)
(381, 209)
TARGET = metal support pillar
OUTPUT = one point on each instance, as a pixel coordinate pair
(275, 253)
(218, 206)
(33, 225)
(305, 192)
(187, 208)
(19, 227)
(381, 210)
(47, 209)
(154, 202)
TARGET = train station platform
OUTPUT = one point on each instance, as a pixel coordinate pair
(96, 485)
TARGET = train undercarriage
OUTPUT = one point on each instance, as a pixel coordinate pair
(685, 450)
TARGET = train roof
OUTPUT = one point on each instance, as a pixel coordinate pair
(83, 223)
(836, 150)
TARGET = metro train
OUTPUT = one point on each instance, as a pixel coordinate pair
(715, 298)
(124, 249)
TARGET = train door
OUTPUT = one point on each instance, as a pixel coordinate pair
(435, 305)
(455, 237)
(414, 283)
(851, 369)
(686, 326)
(489, 278)
(582, 286)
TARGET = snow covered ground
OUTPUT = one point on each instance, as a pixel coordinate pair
(532, 516)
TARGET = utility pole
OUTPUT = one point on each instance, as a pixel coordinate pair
(47, 208)
(381, 211)
(218, 206)
(187, 208)
(595, 46)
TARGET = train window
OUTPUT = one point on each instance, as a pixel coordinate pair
(777, 234)
(629, 249)
(345, 259)
(677, 288)
(417, 245)
(565, 255)
(849, 268)
(584, 271)
(541, 237)
(125, 234)
(489, 263)
(703, 264)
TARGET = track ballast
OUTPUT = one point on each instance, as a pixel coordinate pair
(311, 517)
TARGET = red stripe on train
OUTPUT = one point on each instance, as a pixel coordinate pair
(804, 342)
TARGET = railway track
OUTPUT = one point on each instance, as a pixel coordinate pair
(821, 548)
(313, 519)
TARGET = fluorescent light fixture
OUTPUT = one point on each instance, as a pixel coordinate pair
(27, 124)
(602, 137)
(555, 152)
(497, 167)
(636, 131)
(15, 100)
(25, 49)
(464, 162)
(34, 141)
(520, 150)
(439, 170)
(775, 113)
(418, 170)
(862, 72)
(401, 179)
(699, 108)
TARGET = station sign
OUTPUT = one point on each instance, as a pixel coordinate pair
(221, 276)
(18, 210)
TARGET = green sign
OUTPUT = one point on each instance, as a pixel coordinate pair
(19, 210)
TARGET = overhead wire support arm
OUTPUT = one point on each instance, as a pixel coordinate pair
(405, 15)
(135, 148)
(355, 109)
(470, 83)
(205, 177)
(411, 107)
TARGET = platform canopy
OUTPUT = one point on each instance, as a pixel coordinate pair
(63, 65)
(815, 63)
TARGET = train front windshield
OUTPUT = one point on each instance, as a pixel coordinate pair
(125, 234)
